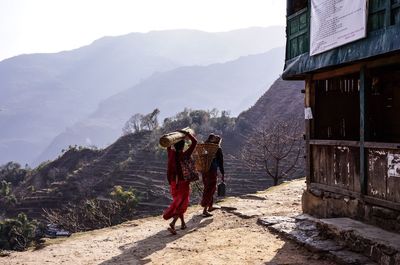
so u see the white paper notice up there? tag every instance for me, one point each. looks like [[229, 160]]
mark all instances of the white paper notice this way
[[308, 114], [393, 165], [336, 22]]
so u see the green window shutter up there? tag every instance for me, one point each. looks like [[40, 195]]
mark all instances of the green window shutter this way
[[297, 33], [303, 22], [294, 51], [395, 14]]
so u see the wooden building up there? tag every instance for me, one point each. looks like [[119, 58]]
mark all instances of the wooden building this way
[[352, 99]]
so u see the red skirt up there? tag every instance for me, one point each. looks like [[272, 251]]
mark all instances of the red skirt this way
[[210, 185], [180, 199]]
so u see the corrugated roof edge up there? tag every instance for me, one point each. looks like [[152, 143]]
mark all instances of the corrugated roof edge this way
[[377, 43]]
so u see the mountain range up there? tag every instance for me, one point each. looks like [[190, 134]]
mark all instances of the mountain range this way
[[232, 86], [47, 99]]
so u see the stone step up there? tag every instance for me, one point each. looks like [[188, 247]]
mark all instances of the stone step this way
[[376, 243], [316, 235]]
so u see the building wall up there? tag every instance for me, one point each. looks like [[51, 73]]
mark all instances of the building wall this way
[[353, 166], [325, 204]]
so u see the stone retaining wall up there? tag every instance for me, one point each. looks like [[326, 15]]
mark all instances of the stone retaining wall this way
[[324, 204]]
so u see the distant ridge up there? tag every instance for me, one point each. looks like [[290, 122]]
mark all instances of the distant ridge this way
[[232, 86], [43, 94]]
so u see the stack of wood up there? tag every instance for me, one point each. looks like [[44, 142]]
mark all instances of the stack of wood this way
[[172, 138], [203, 156]]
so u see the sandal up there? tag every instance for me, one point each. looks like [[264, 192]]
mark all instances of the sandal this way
[[172, 230], [183, 227], [212, 209], [207, 214]]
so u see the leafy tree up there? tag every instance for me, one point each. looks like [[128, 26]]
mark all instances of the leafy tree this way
[[127, 199], [18, 233], [203, 122], [5, 188], [199, 117], [223, 123], [6, 194], [13, 172]]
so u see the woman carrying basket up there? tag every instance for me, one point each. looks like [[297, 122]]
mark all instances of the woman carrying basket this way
[[179, 187], [210, 177]]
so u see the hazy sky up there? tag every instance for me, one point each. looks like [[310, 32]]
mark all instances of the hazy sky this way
[[28, 26]]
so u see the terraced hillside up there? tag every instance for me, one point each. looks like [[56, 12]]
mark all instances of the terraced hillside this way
[[127, 163]]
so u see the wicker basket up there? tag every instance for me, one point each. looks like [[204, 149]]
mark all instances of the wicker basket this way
[[203, 155]]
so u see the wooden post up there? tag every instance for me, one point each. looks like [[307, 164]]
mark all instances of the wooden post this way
[[308, 102], [363, 179]]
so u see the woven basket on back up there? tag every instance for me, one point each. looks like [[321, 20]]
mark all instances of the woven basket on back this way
[[203, 155]]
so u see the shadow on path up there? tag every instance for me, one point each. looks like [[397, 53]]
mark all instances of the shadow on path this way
[[137, 252], [293, 254]]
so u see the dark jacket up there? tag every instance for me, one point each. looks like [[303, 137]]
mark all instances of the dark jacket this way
[[218, 162]]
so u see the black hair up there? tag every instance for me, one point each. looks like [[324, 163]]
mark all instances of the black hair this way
[[179, 145], [216, 138], [178, 148]]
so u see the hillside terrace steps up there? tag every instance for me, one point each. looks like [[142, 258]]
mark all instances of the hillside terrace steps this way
[[138, 180], [133, 176], [344, 240], [33, 206], [255, 180], [128, 165], [137, 169]]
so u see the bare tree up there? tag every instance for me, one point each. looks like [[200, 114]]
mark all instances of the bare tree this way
[[150, 121], [276, 149], [133, 124], [139, 122]]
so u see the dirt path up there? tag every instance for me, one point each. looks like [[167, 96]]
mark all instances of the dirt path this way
[[229, 237]]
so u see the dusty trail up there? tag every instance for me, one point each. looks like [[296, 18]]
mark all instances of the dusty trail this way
[[229, 237]]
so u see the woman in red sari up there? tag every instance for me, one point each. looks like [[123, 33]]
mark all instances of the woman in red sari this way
[[179, 187], [210, 177]]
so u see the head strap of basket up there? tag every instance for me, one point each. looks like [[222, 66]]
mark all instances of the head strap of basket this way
[[205, 153], [214, 139]]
